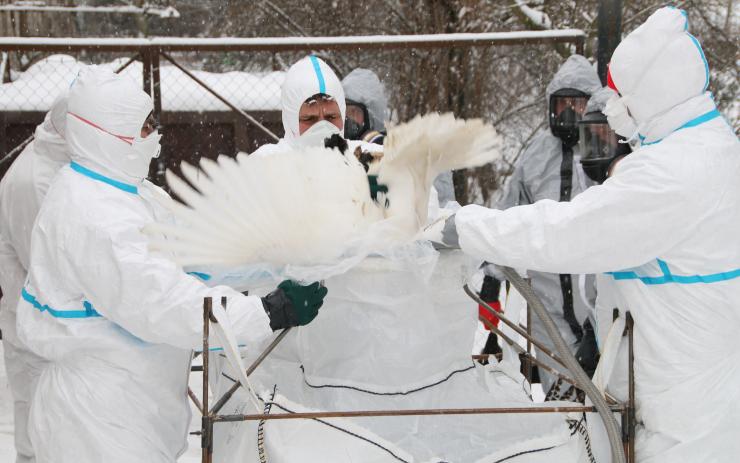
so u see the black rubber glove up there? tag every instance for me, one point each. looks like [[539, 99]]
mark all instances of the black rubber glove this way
[[376, 187], [588, 352], [336, 141], [293, 305]]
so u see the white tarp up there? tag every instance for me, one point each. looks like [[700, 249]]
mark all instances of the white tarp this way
[[392, 337]]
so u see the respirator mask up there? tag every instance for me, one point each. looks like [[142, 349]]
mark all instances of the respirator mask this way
[[316, 134], [357, 120], [566, 107], [599, 145]]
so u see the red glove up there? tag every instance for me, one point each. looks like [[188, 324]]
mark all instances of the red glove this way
[[485, 313]]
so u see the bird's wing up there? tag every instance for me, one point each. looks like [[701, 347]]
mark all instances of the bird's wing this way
[[419, 150], [292, 207]]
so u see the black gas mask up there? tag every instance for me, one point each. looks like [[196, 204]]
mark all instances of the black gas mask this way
[[600, 146], [356, 120], [566, 107]]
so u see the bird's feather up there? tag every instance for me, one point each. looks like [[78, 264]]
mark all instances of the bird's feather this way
[[310, 206]]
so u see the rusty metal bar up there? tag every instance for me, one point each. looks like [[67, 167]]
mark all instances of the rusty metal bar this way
[[156, 87], [195, 400], [221, 98], [580, 43], [281, 44], [147, 69], [529, 368], [206, 439], [16, 151], [631, 416], [410, 412], [512, 325], [127, 63], [234, 387], [527, 356]]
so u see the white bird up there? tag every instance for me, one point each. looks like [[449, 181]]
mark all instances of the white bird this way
[[313, 205]]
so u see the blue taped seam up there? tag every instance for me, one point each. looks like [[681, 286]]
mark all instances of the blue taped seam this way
[[704, 58], [706, 117], [128, 188], [669, 277], [201, 275], [89, 311], [319, 74]]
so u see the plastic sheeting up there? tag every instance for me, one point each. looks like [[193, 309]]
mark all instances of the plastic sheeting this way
[[393, 334]]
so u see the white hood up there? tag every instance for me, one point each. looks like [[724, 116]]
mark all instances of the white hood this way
[[104, 116], [659, 67], [364, 86], [576, 73], [305, 78], [49, 135]]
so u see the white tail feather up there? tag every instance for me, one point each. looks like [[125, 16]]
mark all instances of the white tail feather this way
[[418, 151], [309, 206]]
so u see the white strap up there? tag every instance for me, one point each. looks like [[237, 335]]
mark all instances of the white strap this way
[[609, 354]]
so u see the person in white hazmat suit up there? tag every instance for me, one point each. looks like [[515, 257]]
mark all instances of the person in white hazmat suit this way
[[664, 229], [367, 111], [21, 191], [549, 169], [396, 332], [367, 106], [313, 106], [116, 322], [314, 110]]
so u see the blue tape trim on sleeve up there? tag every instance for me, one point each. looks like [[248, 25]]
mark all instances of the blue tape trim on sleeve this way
[[201, 275], [102, 178], [669, 277], [319, 74], [89, 311]]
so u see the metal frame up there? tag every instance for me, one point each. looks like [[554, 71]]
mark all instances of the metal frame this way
[[210, 416]]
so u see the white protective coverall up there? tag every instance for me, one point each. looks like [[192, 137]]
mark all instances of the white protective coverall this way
[[116, 322], [21, 191], [546, 171], [665, 227]]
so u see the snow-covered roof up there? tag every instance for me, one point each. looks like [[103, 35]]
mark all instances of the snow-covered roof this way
[[36, 89]]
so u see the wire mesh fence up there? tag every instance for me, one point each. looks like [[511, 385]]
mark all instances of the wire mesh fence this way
[[219, 97]]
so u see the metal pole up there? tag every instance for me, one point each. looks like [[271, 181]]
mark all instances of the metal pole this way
[[631, 399], [609, 33], [156, 87], [225, 398], [411, 412], [195, 400], [206, 439], [146, 56], [580, 45], [512, 325], [221, 98], [528, 365], [527, 357]]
